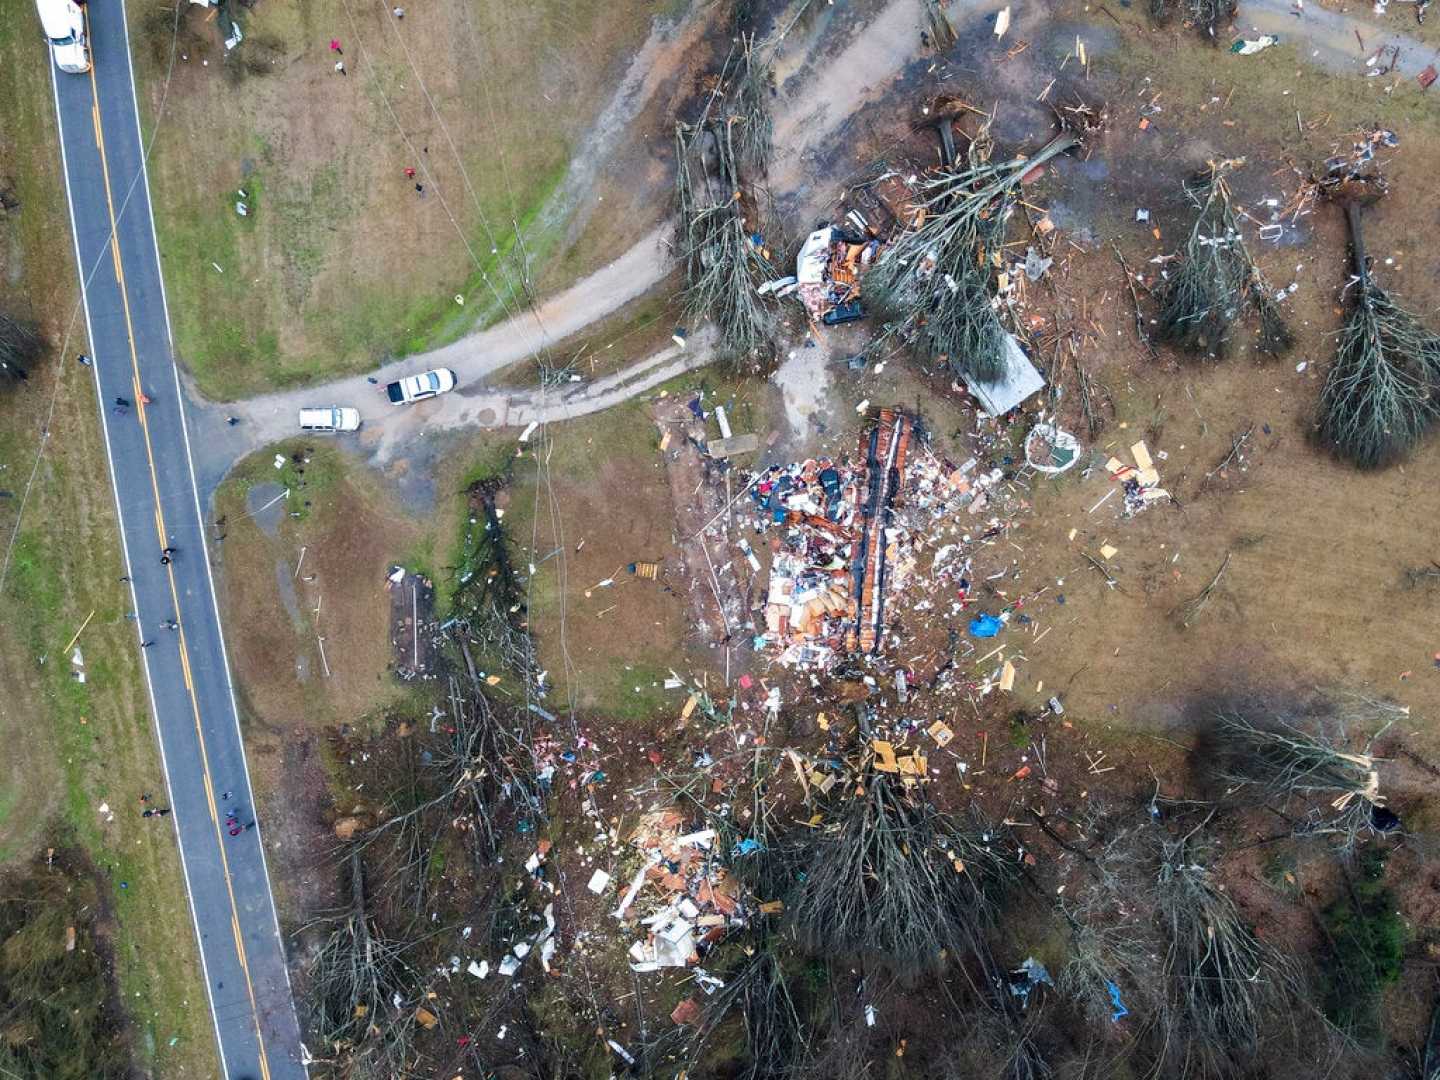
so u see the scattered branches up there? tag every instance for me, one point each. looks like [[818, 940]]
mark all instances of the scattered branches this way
[[935, 278], [896, 882], [941, 31], [1380, 394], [1216, 282], [1130, 279], [1235, 456], [1414, 577], [1190, 610]]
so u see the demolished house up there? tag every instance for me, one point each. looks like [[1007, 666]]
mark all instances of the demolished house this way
[[827, 576], [840, 546]]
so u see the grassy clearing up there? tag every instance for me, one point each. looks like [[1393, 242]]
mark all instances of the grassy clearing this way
[[340, 263], [70, 745]]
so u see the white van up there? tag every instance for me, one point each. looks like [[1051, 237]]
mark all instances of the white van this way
[[64, 24], [333, 418]]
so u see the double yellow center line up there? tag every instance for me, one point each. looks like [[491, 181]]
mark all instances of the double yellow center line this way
[[162, 535]]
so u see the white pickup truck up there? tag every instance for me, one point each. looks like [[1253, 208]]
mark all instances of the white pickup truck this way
[[419, 387], [64, 25]]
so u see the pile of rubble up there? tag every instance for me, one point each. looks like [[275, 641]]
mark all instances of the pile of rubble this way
[[1140, 482], [699, 900], [828, 269]]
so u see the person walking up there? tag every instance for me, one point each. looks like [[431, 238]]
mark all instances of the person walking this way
[[340, 66], [147, 644], [170, 624], [83, 360], [335, 47]]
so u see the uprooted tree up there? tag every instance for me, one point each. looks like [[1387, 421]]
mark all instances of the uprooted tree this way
[[363, 992], [1204, 16], [1288, 759], [896, 882], [718, 160], [1383, 391], [21, 346], [936, 279], [1223, 986], [1215, 282], [772, 1014], [490, 600], [475, 776]]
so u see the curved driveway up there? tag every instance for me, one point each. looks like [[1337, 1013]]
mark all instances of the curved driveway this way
[[186, 668]]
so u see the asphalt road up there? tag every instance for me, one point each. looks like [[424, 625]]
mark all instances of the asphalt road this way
[[150, 466]]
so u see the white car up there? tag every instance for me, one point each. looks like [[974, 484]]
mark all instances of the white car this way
[[330, 418], [64, 25], [419, 387]]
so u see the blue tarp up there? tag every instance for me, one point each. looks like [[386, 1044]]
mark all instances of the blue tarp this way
[[1119, 1011], [983, 626]]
